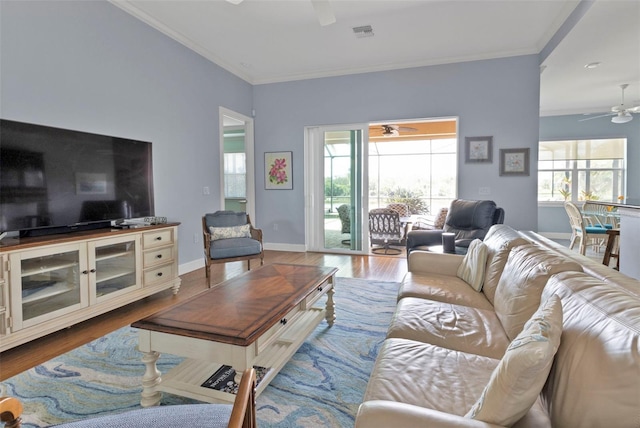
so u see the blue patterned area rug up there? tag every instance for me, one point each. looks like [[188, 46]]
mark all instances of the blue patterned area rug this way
[[322, 385]]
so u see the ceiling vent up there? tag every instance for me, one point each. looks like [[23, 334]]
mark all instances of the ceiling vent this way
[[363, 31]]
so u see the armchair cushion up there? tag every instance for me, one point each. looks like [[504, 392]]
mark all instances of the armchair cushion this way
[[237, 247], [185, 415], [243, 231]]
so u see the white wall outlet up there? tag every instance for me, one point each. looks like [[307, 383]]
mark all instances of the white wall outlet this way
[[205, 190], [484, 191]]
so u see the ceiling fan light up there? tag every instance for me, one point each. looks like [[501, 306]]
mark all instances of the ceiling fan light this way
[[622, 118]]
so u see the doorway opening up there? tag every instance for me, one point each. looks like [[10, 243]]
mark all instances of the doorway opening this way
[[411, 164], [237, 162]]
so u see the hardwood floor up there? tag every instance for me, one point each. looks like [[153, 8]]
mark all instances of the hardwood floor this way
[[24, 357]]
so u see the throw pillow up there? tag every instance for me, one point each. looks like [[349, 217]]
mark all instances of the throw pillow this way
[[243, 231], [472, 268], [516, 382]]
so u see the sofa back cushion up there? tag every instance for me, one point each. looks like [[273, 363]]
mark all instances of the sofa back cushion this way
[[525, 274], [499, 241], [473, 265], [595, 379]]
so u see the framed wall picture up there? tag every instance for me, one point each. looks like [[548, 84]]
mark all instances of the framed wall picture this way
[[514, 161], [478, 149], [277, 171]]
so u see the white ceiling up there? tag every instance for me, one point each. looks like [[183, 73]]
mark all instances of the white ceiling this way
[[266, 41]]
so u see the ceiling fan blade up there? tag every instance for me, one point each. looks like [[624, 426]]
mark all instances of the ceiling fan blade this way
[[635, 109], [236, 2], [407, 129], [596, 117], [324, 11]]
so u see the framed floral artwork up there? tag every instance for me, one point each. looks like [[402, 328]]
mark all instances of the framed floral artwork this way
[[277, 168], [478, 149], [514, 161]]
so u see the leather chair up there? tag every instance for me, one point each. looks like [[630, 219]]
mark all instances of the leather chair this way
[[241, 415], [469, 220], [230, 248]]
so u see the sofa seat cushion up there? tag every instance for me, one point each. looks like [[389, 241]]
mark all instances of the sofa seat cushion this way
[[428, 376], [462, 328], [442, 288], [525, 274], [237, 247]]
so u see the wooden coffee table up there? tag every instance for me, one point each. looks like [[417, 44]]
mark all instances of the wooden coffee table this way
[[259, 319]]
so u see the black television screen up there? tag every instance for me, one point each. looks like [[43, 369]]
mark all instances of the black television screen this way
[[58, 177]]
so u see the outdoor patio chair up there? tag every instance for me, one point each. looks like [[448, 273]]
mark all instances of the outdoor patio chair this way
[[385, 229]]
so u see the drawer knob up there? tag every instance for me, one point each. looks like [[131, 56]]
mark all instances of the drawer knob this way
[[283, 321], [159, 238], [85, 272], [159, 274], [92, 271], [159, 256], [320, 288]]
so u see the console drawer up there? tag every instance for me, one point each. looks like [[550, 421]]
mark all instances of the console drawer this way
[[156, 257], [162, 273], [274, 332], [157, 238]]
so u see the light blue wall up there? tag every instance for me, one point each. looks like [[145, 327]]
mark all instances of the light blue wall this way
[[493, 97], [553, 219], [87, 65]]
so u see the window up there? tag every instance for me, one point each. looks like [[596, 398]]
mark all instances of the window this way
[[580, 170], [421, 173], [235, 175]]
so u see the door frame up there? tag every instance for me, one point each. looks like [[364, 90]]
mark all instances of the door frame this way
[[314, 187], [250, 158]]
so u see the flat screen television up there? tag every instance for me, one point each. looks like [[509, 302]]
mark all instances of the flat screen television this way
[[52, 178]]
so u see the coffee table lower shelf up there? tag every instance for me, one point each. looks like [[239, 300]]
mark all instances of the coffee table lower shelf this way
[[186, 378]]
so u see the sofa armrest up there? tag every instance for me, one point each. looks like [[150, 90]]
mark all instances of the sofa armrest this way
[[428, 262], [418, 238], [379, 413]]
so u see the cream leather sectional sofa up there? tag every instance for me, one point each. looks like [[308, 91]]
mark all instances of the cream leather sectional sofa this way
[[447, 342]]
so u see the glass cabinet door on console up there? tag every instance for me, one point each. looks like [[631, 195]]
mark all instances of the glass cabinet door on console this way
[[114, 262], [46, 283]]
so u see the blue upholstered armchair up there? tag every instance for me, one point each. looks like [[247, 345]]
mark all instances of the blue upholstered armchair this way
[[229, 237], [242, 414]]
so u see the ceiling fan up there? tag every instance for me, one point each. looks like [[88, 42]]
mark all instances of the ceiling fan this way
[[620, 113], [323, 10], [394, 130]]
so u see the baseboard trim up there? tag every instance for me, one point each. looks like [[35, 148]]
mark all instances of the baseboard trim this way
[[286, 247], [555, 235]]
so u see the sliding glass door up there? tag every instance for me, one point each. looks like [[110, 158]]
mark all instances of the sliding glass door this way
[[337, 179]]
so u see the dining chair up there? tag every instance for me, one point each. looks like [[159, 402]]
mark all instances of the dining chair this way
[[580, 230], [598, 215]]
